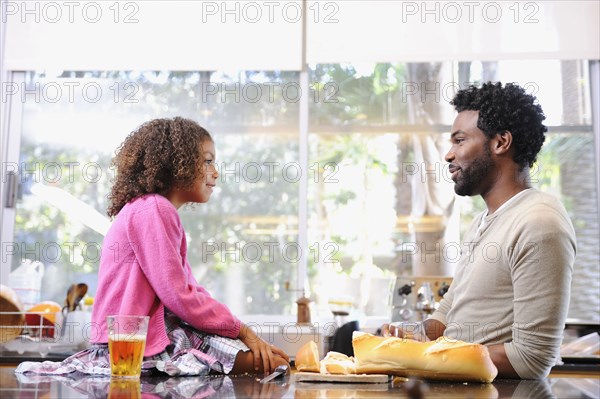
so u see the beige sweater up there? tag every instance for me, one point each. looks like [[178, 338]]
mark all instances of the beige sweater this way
[[513, 282]]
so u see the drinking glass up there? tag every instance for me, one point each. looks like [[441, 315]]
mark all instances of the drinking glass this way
[[126, 344]]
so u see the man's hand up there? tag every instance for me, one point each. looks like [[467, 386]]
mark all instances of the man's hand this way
[[409, 330], [428, 330]]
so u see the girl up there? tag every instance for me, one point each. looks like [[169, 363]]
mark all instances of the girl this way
[[144, 270]]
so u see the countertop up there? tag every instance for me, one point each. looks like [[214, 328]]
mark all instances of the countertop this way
[[20, 386]]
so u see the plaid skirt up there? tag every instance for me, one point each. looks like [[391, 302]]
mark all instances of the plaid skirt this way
[[190, 352]]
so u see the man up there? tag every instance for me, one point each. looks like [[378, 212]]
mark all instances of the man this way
[[511, 287]]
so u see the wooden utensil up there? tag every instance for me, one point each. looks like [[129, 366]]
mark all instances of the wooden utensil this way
[[75, 294]]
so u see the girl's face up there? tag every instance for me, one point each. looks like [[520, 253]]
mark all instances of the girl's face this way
[[206, 181]]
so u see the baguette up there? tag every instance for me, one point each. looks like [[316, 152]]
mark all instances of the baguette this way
[[307, 358], [337, 363], [443, 359]]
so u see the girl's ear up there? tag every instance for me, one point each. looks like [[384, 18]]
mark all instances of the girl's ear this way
[[502, 142]]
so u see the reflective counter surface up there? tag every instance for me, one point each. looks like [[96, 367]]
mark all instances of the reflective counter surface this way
[[20, 386]]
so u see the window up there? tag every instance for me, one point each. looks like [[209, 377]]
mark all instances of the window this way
[[241, 244], [378, 198], [385, 197]]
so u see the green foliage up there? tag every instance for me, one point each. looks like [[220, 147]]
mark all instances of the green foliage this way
[[362, 99]]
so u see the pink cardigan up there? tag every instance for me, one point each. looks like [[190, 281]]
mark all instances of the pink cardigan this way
[[144, 269]]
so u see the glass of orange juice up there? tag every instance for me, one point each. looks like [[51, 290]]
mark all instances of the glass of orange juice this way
[[126, 344]]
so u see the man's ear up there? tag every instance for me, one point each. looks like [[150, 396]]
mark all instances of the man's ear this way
[[502, 142]]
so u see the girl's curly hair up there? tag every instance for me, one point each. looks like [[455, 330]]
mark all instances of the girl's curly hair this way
[[156, 156], [507, 108]]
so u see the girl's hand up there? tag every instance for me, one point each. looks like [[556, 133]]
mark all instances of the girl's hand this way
[[261, 350]]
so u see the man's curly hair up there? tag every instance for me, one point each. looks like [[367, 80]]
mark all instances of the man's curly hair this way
[[507, 108], [155, 157]]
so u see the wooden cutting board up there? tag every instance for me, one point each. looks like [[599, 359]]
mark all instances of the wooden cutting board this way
[[343, 378]]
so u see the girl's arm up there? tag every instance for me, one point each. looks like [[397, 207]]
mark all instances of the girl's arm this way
[[158, 241]]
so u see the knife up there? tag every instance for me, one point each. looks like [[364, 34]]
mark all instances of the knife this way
[[279, 371]]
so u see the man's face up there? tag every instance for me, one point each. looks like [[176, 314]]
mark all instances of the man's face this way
[[471, 162]]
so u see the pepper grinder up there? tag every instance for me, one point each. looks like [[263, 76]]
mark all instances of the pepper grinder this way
[[302, 305], [303, 310]]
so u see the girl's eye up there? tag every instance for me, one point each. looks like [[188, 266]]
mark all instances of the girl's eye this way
[[209, 161]]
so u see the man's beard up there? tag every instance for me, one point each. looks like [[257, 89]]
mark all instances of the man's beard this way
[[473, 173]]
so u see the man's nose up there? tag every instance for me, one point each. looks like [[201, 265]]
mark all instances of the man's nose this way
[[449, 157]]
